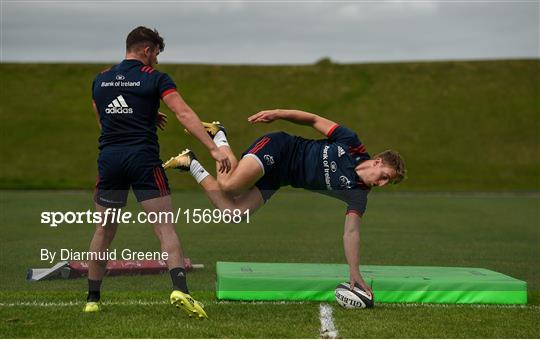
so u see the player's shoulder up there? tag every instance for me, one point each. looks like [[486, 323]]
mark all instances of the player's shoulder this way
[[105, 72], [348, 142], [340, 133], [344, 130], [152, 72], [156, 77], [108, 69], [361, 189], [356, 196], [148, 69]]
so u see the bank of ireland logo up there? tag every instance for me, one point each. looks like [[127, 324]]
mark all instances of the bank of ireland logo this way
[[340, 151], [345, 182], [333, 166], [120, 77], [268, 159]]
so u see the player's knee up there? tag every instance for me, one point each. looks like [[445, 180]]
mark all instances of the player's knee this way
[[227, 186], [165, 232], [106, 232]]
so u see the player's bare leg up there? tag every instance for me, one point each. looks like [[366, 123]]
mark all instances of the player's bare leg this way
[[101, 241], [237, 181], [165, 230], [103, 237], [250, 200], [217, 131], [242, 179], [222, 177], [170, 244], [242, 196]]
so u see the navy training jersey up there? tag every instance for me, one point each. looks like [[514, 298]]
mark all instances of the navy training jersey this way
[[127, 98], [328, 166]]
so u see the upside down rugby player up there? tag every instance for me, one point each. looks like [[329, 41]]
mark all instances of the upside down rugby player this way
[[126, 101], [338, 166]]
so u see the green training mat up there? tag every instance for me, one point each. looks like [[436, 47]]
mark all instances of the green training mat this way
[[390, 284]]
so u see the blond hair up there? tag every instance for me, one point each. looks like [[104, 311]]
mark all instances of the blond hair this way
[[394, 160]]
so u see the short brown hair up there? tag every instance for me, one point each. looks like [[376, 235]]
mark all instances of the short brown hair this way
[[394, 160], [144, 36]]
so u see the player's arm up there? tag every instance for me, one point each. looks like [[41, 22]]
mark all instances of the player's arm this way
[[319, 123], [189, 119], [351, 245], [97, 114]]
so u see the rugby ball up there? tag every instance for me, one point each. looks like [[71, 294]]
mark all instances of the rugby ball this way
[[356, 298]]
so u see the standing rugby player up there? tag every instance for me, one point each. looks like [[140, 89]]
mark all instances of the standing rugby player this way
[[338, 166], [126, 100]]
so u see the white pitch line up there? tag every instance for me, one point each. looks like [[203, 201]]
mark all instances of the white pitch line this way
[[328, 329], [227, 302], [141, 303], [80, 303]]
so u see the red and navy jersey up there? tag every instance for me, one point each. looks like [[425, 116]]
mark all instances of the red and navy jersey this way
[[328, 166], [127, 97]]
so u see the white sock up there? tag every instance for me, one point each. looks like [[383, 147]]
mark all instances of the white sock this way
[[220, 139], [197, 171]]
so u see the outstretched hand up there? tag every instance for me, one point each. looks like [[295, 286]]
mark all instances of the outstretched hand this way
[[266, 116], [161, 120]]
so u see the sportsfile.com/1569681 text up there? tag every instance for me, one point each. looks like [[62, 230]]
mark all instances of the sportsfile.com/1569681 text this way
[[117, 215]]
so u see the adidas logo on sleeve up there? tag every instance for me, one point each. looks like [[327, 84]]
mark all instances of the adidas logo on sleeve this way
[[118, 105]]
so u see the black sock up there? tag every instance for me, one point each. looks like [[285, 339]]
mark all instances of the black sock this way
[[178, 277], [94, 287]]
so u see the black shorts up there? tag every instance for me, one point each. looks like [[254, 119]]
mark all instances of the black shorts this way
[[272, 153], [136, 167]]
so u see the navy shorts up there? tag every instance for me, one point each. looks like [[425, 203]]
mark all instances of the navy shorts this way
[[121, 168], [272, 153]]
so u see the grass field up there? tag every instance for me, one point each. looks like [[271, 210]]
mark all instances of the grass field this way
[[500, 232], [469, 129], [460, 125]]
